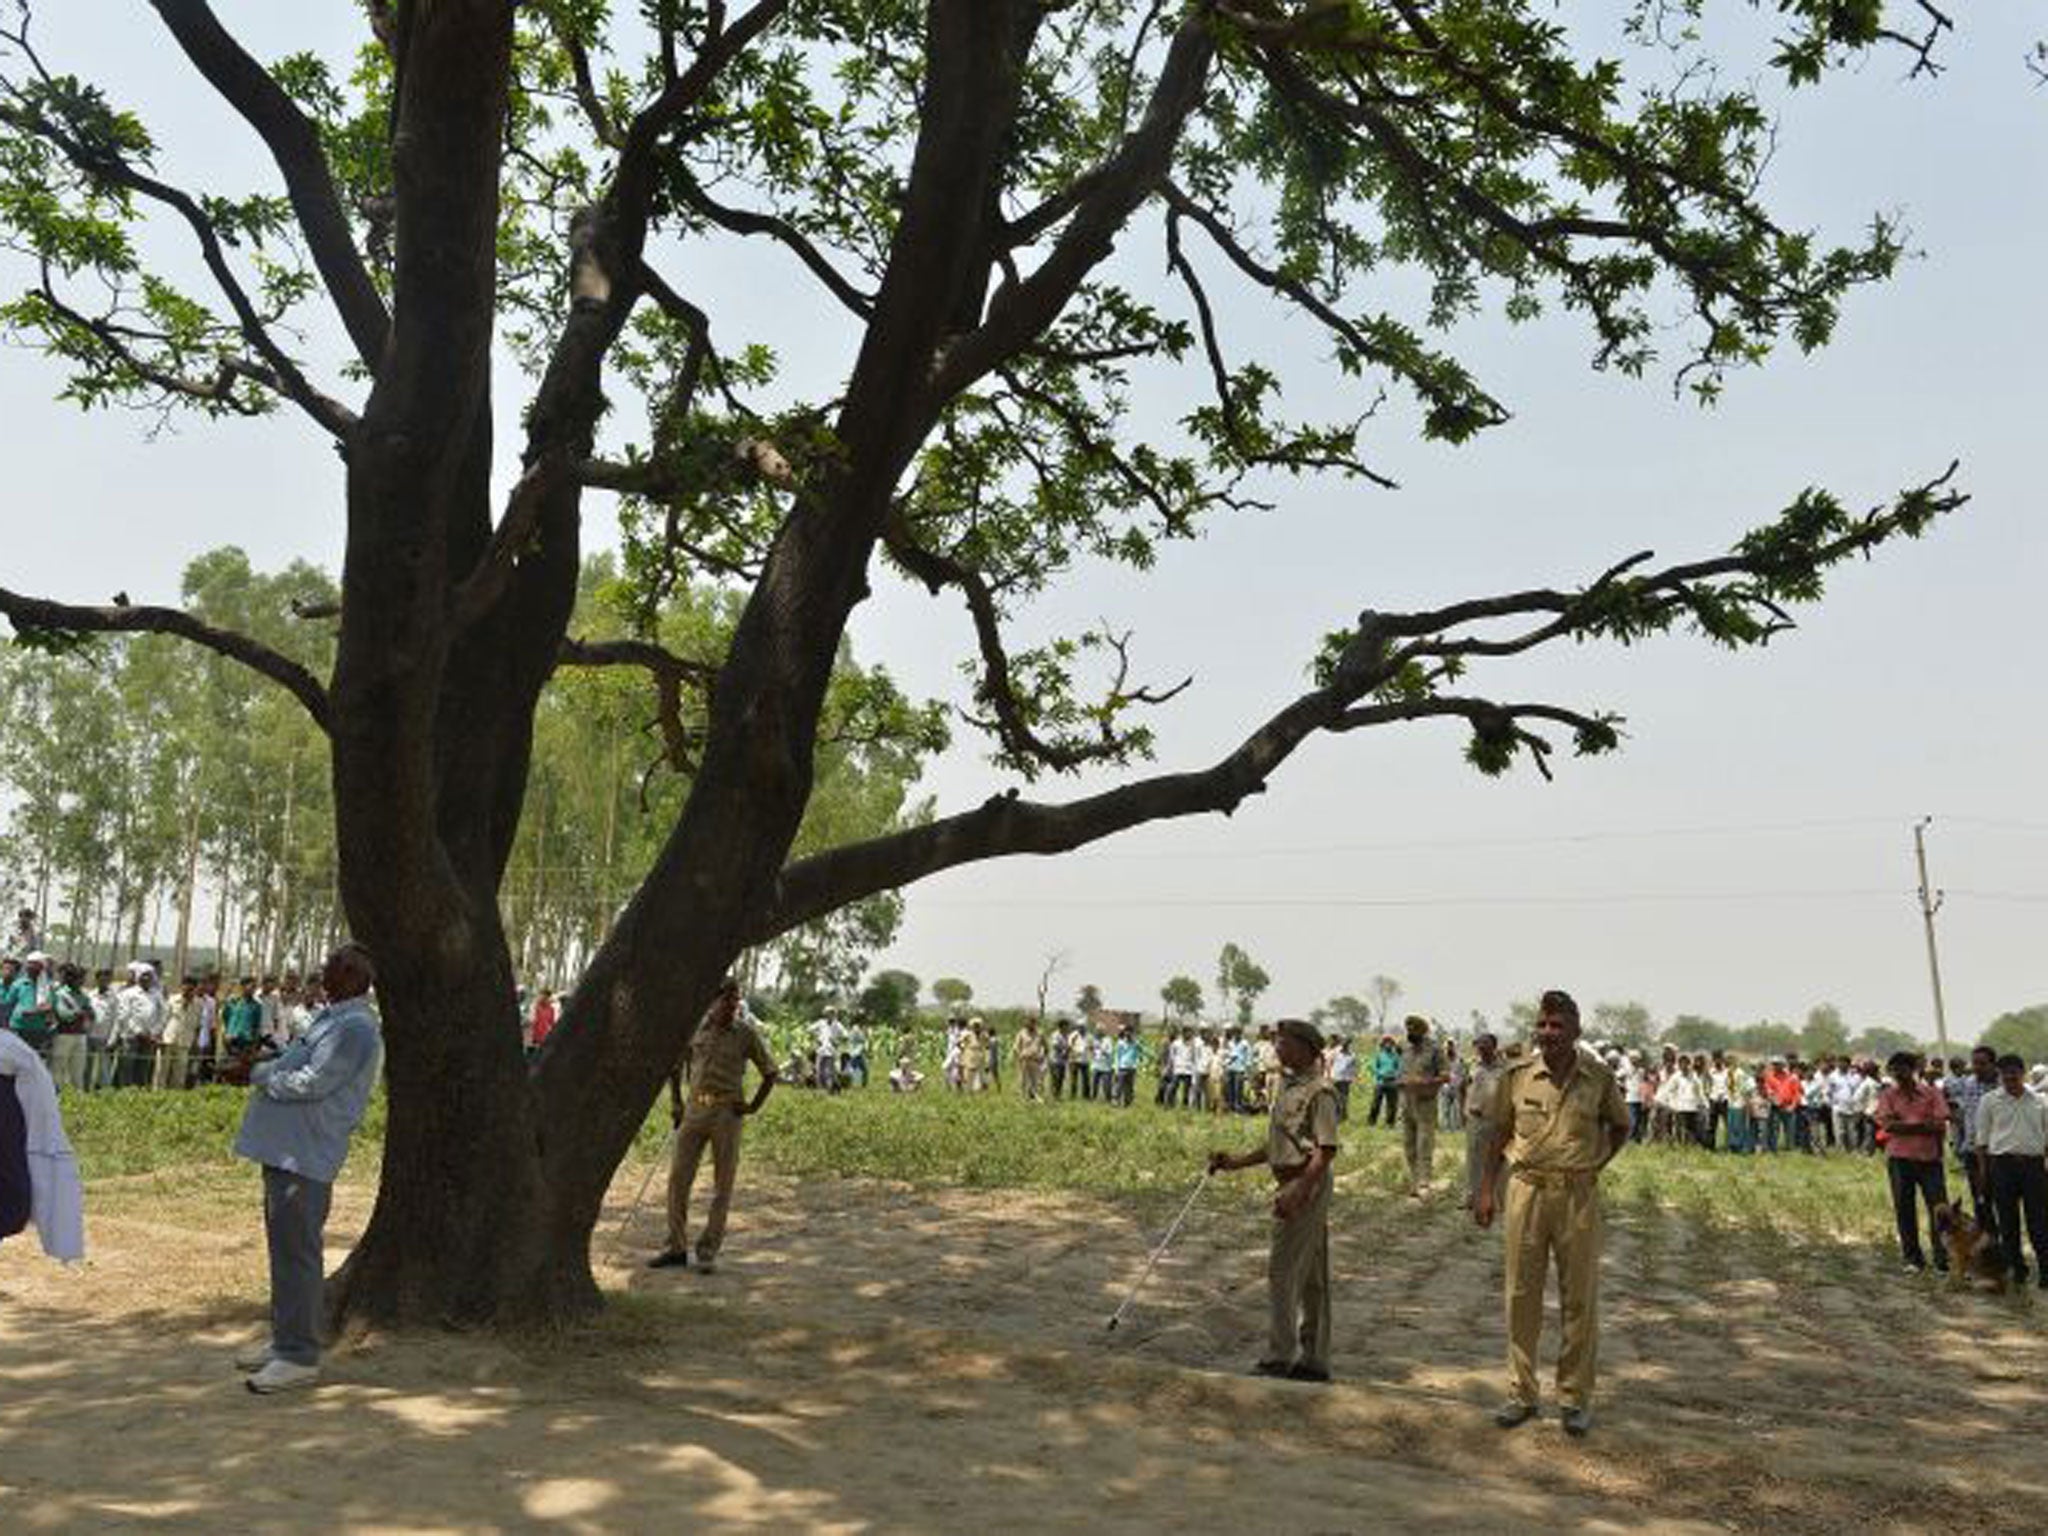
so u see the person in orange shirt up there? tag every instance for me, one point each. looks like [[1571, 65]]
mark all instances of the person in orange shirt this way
[[1786, 1093]]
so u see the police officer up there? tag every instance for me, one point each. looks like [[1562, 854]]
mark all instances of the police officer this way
[[1558, 1118], [1301, 1141], [725, 1041]]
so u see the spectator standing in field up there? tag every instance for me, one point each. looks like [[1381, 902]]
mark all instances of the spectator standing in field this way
[[181, 1029], [1102, 1064], [950, 1063], [1237, 1061], [825, 1051], [303, 1107], [1631, 1075], [2010, 1139], [1481, 1081], [1212, 1070], [1679, 1097], [726, 1039], [1029, 1049], [1914, 1118], [242, 1029], [995, 1058], [1184, 1068], [1965, 1091], [69, 1053], [1450, 1099], [1842, 1103], [101, 1048], [1343, 1073], [1735, 1088], [1128, 1058], [853, 1052], [1059, 1053], [1713, 1073], [140, 1030], [1422, 1074], [1386, 1082], [32, 1003], [206, 1040], [1869, 1084]]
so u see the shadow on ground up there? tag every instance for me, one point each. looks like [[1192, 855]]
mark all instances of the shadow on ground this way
[[876, 1358]]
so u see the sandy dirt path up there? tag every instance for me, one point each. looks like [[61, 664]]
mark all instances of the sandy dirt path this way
[[879, 1358]]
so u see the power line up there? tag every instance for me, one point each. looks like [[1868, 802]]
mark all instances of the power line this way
[[1477, 899], [1548, 839]]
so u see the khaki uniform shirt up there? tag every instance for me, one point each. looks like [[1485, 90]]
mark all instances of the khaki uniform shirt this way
[[1418, 1062], [1558, 1130], [718, 1061], [1304, 1117], [1028, 1047]]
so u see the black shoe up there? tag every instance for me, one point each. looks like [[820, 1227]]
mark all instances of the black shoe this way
[[1281, 1368], [1514, 1412], [1303, 1371], [670, 1258], [1577, 1421]]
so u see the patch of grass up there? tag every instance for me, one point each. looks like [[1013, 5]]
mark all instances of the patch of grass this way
[[133, 1130], [996, 1141]]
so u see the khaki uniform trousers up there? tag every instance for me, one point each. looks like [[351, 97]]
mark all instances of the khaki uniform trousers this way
[[718, 1127], [1418, 1135], [1478, 1132], [1032, 1079], [1553, 1215], [1298, 1282]]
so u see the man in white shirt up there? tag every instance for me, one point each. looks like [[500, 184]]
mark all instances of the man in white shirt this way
[[138, 1028], [1680, 1094], [2010, 1138], [825, 1052]]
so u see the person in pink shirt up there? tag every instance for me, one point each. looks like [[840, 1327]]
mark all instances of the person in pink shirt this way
[[1914, 1118]]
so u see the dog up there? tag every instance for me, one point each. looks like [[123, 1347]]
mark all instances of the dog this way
[[1973, 1256]]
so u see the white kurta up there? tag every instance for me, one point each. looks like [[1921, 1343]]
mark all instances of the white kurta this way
[[56, 1197]]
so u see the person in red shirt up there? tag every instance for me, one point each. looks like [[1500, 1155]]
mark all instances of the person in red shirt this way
[[543, 1018], [1783, 1088], [1914, 1118]]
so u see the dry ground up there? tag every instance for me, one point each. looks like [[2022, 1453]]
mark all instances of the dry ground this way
[[874, 1357]]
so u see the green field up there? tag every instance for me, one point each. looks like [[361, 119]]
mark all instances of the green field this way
[[1146, 1155]]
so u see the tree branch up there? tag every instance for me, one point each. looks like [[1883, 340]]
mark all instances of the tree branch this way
[[1019, 312], [106, 166], [670, 672], [1369, 680], [294, 145], [33, 615], [745, 221]]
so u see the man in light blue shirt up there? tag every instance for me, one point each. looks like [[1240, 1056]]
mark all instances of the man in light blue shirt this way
[[303, 1106]]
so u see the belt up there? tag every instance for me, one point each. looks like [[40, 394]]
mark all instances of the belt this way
[[2016, 1157], [704, 1098], [1556, 1178]]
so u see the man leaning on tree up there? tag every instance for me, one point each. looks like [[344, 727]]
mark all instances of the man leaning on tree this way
[[725, 1041]]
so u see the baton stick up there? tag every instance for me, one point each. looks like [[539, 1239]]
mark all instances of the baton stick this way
[[1164, 1243], [638, 1200]]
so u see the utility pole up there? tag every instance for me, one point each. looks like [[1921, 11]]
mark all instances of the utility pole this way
[[1930, 903]]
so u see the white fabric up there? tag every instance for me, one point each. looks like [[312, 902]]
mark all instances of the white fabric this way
[[139, 1014], [56, 1198]]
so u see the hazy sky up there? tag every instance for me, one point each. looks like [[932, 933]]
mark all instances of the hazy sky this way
[[1748, 854]]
